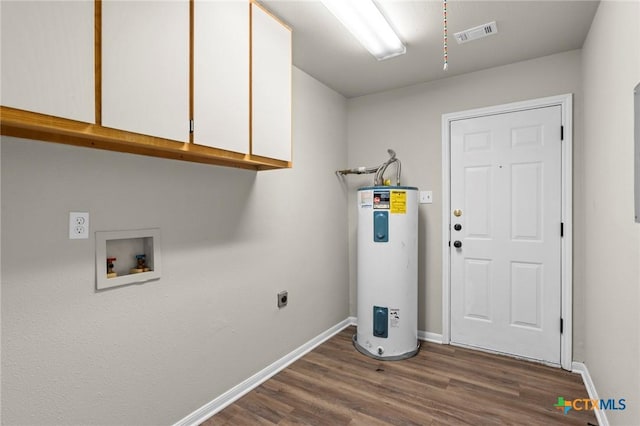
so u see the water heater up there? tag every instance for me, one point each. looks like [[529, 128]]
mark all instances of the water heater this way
[[387, 271]]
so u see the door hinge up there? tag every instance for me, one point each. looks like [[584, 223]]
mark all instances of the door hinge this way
[[561, 325], [561, 229], [561, 133], [191, 125]]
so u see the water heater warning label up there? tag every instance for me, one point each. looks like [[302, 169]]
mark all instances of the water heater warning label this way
[[394, 318], [366, 198], [380, 199], [398, 202]]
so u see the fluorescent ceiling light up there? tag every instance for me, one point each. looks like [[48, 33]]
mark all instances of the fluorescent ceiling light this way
[[367, 24]]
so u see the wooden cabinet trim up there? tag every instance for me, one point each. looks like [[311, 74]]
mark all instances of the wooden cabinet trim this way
[[191, 65], [31, 125], [97, 24], [268, 12]]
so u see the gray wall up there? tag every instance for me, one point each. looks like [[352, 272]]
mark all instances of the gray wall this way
[[231, 239], [612, 239], [409, 121]]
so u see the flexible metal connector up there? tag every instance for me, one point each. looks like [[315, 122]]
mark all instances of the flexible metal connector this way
[[378, 170]]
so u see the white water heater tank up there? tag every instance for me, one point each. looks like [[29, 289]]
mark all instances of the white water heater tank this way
[[387, 272]]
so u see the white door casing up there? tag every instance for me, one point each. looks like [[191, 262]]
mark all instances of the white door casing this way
[[509, 284]]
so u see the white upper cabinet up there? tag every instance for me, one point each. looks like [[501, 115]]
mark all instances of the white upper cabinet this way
[[221, 74], [48, 58], [271, 86], [145, 67]]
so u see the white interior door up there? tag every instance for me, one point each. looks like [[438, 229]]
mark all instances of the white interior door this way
[[506, 194]]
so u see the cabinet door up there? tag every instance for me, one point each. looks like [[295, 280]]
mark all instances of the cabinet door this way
[[48, 58], [271, 86], [221, 74], [145, 67]]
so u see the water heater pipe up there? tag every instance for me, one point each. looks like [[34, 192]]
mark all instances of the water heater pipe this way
[[378, 170]]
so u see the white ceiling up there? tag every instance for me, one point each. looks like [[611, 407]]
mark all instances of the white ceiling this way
[[323, 48]]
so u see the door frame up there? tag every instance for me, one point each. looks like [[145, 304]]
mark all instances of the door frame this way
[[566, 277]]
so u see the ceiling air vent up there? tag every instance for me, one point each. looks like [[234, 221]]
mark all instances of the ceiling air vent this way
[[476, 32]]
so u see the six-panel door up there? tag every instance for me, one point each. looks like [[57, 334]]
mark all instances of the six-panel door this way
[[506, 197]]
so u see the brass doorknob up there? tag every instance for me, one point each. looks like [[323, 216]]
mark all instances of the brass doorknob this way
[[457, 212]]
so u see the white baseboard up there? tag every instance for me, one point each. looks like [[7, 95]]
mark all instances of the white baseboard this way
[[428, 336], [580, 368], [238, 391]]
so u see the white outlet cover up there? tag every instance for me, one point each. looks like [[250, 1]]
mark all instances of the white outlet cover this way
[[78, 225], [426, 197]]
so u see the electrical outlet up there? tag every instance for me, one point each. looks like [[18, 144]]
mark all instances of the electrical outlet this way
[[78, 225], [283, 299], [426, 197]]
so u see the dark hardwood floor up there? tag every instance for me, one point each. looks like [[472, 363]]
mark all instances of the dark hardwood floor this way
[[442, 385]]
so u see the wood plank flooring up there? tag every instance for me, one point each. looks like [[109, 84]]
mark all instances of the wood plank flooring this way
[[442, 385]]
